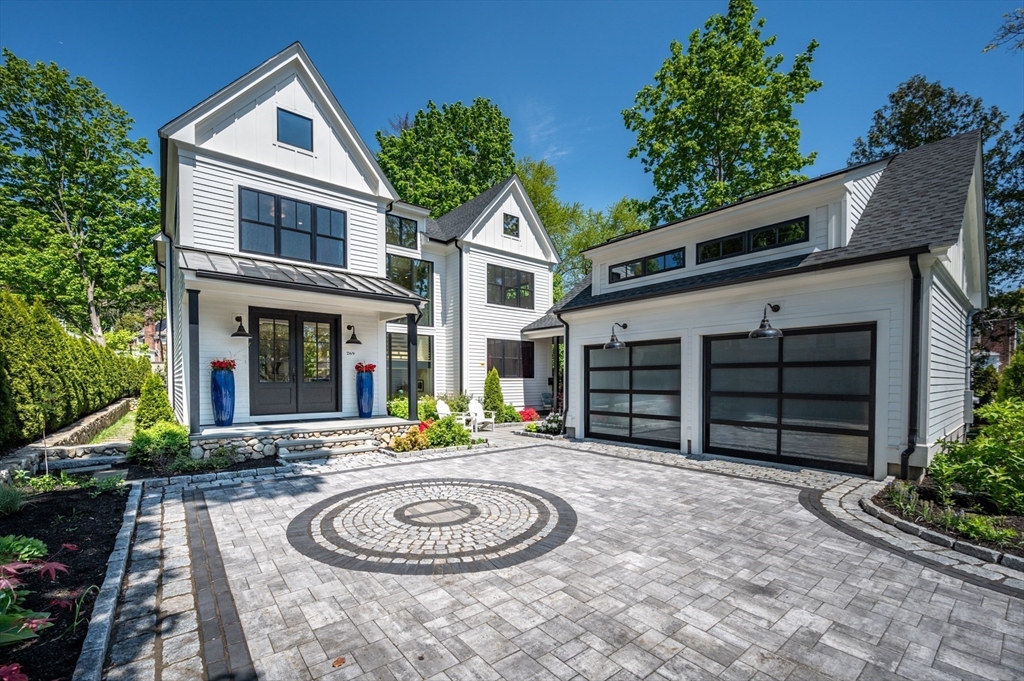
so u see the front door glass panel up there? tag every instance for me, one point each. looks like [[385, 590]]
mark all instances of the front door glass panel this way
[[316, 351], [274, 350]]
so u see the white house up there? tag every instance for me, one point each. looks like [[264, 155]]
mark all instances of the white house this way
[[876, 271], [284, 247]]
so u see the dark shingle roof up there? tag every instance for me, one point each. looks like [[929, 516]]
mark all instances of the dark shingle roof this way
[[917, 204], [549, 320], [454, 223]]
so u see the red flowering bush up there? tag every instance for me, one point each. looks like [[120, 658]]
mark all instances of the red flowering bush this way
[[426, 424], [228, 364], [529, 414], [365, 368]]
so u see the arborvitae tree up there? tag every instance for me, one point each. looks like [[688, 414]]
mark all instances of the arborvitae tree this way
[[494, 400], [154, 406]]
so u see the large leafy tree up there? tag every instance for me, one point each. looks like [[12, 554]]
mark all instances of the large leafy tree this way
[[77, 208], [448, 155], [718, 123]]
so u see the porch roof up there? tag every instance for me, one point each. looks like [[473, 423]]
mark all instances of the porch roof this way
[[262, 272]]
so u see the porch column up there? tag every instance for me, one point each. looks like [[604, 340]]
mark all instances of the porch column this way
[[193, 361], [410, 323], [554, 393]]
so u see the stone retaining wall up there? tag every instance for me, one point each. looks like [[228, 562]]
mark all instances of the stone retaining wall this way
[[269, 445]]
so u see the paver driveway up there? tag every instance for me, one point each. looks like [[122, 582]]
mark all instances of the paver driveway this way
[[666, 574]]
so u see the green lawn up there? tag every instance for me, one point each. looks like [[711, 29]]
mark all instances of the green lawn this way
[[121, 431]]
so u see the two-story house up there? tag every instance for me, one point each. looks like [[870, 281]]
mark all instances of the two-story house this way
[[867, 279], [285, 247]]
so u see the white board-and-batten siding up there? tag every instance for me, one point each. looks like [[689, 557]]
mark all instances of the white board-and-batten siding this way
[[490, 231]]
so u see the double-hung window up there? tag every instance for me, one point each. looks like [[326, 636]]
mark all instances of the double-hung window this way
[[512, 358], [416, 276], [297, 230], [509, 287], [400, 231]]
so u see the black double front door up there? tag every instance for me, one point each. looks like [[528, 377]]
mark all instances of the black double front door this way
[[293, 360]]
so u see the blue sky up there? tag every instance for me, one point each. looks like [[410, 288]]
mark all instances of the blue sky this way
[[562, 72]]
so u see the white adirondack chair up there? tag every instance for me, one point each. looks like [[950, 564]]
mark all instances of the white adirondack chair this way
[[480, 417], [462, 417]]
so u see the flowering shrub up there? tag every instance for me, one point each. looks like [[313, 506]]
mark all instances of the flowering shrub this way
[[529, 414], [365, 368], [228, 364], [426, 424]]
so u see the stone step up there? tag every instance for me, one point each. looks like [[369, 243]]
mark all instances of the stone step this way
[[326, 453], [75, 465], [322, 441], [82, 470]]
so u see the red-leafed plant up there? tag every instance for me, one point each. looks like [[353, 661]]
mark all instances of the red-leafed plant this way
[[12, 672], [529, 414], [18, 623], [228, 364], [426, 424], [365, 368]]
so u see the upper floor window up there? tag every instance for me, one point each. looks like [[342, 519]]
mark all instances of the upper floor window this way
[[751, 241], [294, 130], [511, 225], [400, 231], [274, 225], [651, 264], [416, 276], [509, 287]]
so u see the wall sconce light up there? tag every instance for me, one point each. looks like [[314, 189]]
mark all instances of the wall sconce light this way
[[353, 340], [766, 330], [241, 332], [614, 343]]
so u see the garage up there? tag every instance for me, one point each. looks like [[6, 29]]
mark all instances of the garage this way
[[807, 398], [633, 392]]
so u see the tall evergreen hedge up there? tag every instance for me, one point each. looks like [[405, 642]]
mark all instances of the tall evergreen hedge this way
[[51, 378]]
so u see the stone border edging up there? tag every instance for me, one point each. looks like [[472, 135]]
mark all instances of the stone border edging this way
[[182, 480], [101, 622], [980, 552], [539, 436]]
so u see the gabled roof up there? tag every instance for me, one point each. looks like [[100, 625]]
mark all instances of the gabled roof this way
[[458, 221], [917, 205], [549, 320], [294, 52]]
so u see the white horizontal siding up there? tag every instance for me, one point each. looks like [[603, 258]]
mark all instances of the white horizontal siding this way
[[947, 370], [177, 340]]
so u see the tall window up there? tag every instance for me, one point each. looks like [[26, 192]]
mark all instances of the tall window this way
[[400, 231], [509, 287], [416, 276], [294, 130], [511, 225], [274, 225], [512, 358], [398, 364]]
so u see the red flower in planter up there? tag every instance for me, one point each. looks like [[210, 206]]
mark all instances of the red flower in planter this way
[[365, 368], [228, 364]]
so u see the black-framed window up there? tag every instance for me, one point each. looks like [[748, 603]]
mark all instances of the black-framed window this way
[[512, 358], [416, 276], [751, 241], [805, 398], [400, 231], [398, 364], [651, 264], [633, 394], [287, 228], [509, 287], [510, 225], [294, 130]]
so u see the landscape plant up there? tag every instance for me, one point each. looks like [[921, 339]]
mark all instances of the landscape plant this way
[[457, 402], [1011, 383], [494, 400], [159, 445], [508, 414], [448, 432], [11, 499], [528, 414], [413, 440], [18, 623], [154, 405]]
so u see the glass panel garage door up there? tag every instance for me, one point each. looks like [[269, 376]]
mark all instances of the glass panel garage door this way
[[807, 398], [633, 393]]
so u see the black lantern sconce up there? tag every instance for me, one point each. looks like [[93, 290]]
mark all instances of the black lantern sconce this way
[[241, 332], [766, 330], [353, 340], [614, 343]]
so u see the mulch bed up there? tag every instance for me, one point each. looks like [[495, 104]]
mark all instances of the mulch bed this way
[[961, 502], [136, 472], [56, 518]]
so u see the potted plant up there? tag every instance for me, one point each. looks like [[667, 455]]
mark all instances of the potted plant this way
[[364, 389], [222, 387]]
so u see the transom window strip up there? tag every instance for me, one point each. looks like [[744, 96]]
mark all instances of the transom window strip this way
[[297, 230], [751, 241], [651, 264]]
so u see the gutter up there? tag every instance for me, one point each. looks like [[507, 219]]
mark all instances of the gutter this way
[[565, 376], [462, 317], [915, 369]]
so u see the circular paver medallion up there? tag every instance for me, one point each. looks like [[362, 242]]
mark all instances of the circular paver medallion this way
[[433, 526]]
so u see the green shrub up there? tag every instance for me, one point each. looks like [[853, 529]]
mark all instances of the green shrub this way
[[448, 432], [398, 407], [11, 499], [139, 452], [508, 414], [183, 463], [21, 549], [456, 401], [1011, 383], [112, 484], [985, 382], [426, 405], [413, 440], [154, 407], [985, 528], [493, 399], [159, 445]]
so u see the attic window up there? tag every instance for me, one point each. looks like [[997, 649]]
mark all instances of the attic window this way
[[294, 130], [511, 226]]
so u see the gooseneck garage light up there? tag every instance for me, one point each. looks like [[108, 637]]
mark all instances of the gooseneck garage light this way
[[614, 343], [766, 330], [241, 332], [353, 340]]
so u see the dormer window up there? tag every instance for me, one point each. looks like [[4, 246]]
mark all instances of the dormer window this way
[[294, 130], [400, 231], [511, 225]]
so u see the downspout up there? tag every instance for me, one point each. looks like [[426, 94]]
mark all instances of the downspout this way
[[462, 318], [915, 368], [565, 376]]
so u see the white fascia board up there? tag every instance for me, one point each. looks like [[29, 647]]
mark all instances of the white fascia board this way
[[409, 210]]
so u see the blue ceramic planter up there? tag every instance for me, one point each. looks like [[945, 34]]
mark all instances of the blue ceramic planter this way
[[222, 385], [364, 393]]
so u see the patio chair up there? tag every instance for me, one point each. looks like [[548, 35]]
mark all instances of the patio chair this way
[[545, 401], [462, 417], [480, 417]]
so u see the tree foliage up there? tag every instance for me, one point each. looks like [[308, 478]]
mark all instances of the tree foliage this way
[[920, 111], [77, 208], [494, 400], [154, 406], [447, 156], [1011, 33], [718, 124]]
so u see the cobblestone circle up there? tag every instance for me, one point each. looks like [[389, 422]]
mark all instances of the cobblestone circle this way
[[430, 526]]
